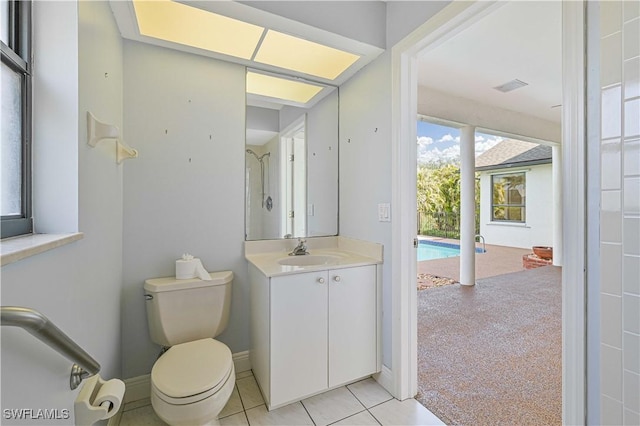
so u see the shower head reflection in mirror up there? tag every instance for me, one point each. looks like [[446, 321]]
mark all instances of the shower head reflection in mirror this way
[[262, 174]]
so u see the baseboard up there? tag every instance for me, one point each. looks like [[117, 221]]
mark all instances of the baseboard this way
[[385, 379], [139, 387], [241, 361]]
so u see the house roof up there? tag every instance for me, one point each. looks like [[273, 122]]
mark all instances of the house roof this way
[[513, 153]]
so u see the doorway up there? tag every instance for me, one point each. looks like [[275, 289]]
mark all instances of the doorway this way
[[453, 19], [293, 146]]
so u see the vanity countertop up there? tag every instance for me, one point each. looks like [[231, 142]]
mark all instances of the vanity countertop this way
[[323, 254]]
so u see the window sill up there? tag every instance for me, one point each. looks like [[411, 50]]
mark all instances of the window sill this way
[[18, 248], [513, 224]]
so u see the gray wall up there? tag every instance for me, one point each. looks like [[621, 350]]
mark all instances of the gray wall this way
[[78, 285], [185, 193], [365, 169]]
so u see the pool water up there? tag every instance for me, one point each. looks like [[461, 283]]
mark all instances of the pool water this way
[[429, 250]]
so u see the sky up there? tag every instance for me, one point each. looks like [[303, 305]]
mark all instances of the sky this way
[[441, 144]]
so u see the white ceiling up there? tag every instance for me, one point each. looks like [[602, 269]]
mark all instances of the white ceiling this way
[[520, 40]]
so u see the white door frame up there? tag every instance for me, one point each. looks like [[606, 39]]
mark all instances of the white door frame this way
[[451, 20]]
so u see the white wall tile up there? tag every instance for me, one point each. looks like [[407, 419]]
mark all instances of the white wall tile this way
[[610, 201], [632, 157], [631, 235], [611, 269], [610, 52], [631, 418], [632, 118], [611, 112], [620, 313], [631, 352], [632, 78], [632, 195], [611, 319], [632, 391], [631, 274], [611, 372], [631, 34], [631, 316], [610, 17], [631, 11], [610, 227], [610, 411], [611, 167]]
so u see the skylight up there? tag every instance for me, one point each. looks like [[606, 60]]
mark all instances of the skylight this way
[[285, 51], [281, 88], [190, 26]]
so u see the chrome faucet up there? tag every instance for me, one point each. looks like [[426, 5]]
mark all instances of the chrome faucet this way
[[300, 249]]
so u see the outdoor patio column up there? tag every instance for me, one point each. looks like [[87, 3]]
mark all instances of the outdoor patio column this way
[[467, 205], [556, 179]]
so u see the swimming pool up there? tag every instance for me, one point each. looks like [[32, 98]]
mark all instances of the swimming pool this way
[[429, 250]]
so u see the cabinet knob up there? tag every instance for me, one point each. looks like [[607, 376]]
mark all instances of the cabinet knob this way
[[321, 280], [337, 278]]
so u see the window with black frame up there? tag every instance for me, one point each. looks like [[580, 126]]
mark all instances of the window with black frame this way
[[15, 203], [508, 197]]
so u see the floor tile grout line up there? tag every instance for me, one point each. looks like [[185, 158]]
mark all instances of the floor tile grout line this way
[[380, 403], [351, 415], [308, 413]]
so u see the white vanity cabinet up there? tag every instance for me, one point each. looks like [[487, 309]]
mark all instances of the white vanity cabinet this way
[[313, 331]]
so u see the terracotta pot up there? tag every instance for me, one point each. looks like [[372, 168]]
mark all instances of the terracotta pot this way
[[543, 252]]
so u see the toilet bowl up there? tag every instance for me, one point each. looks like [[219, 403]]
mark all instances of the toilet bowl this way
[[192, 382]]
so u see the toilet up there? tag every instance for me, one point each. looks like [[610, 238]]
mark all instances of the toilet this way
[[191, 381]]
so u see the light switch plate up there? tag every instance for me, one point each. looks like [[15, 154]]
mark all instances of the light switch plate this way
[[384, 212]]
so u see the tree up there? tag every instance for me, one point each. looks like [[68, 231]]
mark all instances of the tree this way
[[439, 189], [438, 192]]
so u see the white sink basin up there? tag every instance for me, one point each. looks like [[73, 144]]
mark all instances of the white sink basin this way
[[309, 260]]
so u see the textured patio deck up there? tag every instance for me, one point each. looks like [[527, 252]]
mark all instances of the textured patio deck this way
[[490, 354]]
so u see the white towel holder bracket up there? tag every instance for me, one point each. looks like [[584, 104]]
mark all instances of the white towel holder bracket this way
[[98, 131]]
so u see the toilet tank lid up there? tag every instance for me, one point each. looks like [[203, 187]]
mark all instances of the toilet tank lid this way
[[155, 285]]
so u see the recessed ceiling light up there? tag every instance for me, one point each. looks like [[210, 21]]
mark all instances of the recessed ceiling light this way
[[511, 85], [281, 88], [190, 26], [285, 51]]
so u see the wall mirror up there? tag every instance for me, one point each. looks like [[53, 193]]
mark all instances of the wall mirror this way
[[291, 158]]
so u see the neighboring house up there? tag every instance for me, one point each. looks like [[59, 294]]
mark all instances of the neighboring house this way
[[516, 194]]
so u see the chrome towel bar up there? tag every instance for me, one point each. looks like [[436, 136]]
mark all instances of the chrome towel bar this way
[[39, 326]]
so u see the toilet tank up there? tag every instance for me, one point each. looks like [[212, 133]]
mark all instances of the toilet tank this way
[[180, 311]]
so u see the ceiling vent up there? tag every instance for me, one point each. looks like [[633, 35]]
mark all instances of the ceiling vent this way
[[511, 85]]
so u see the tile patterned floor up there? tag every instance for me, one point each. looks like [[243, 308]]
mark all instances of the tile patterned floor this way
[[361, 403]]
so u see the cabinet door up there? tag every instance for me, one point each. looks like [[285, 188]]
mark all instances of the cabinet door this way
[[352, 324], [298, 336]]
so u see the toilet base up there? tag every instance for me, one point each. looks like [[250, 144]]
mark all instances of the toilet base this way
[[204, 412]]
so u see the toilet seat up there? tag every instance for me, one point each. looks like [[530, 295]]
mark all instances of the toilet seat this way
[[192, 371]]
